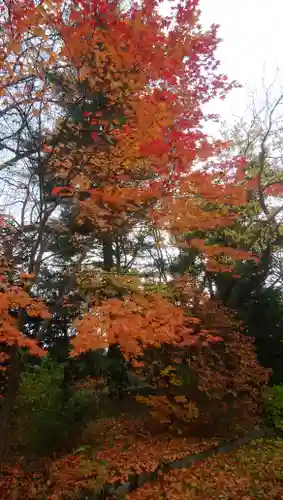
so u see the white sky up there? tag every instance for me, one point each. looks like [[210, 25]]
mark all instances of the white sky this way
[[252, 47]]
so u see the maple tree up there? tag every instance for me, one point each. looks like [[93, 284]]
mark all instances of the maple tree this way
[[16, 305], [135, 134], [150, 168]]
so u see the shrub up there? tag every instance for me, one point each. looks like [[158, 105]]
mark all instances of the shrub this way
[[46, 412]]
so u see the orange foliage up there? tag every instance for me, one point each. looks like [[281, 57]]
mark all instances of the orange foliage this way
[[155, 73], [254, 471], [114, 449], [136, 323], [169, 410], [143, 154], [128, 446], [71, 474], [15, 301], [14, 298], [16, 483], [222, 363], [230, 365], [251, 472]]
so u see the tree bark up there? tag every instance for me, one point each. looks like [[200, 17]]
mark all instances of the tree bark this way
[[107, 248], [9, 400]]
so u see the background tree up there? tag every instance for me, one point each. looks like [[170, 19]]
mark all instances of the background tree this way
[[254, 285]]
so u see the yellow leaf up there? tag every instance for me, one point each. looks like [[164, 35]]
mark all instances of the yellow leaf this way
[[181, 399], [39, 32]]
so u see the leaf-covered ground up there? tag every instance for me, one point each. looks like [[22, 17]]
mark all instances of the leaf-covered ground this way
[[128, 447], [252, 472], [114, 449]]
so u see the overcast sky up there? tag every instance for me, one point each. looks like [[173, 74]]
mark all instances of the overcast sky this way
[[252, 46]]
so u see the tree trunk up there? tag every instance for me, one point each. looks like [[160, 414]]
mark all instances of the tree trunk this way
[[107, 248], [9, 400]]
